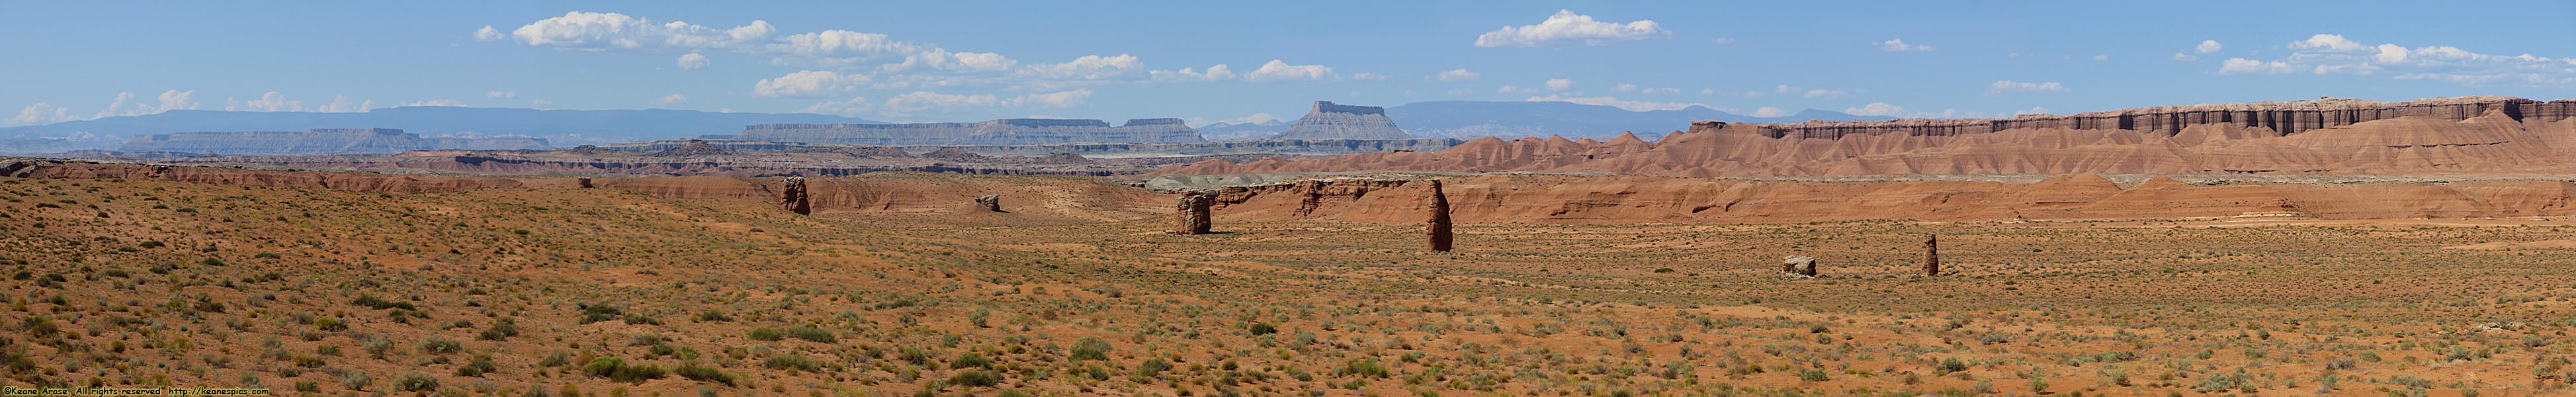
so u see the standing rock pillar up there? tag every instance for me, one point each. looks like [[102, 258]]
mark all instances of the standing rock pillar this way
[[990, 202], [1932, 255], [585, 182], [1193, 215], [1438, 225], [794, 198]]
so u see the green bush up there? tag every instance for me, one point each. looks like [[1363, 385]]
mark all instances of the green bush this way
[[370, 301], [817, 335], [1365, 368], [1090, 348], [437, 345], [481, 364], [703, 374], [1263, 329], [791, 362], [970, 360], [976, 378], [767, 334], [637, 373], [596, 313], [603, 366], [416, 382]]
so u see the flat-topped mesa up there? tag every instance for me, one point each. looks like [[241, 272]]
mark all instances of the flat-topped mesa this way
[[318, 141], [2284, 117], [991, 132], [1335, 121]]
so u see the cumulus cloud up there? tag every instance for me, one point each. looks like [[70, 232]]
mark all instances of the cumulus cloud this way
[[487, 33], [671, 99], [1278, 70], [1623, 87], [1822, 93], [2184, 57], [1630, 105], [918, 102], [693, 61], [808, 83], [2035, 109], [2002, 86], [1567, 28], [41, 113], [2208, 47], [1876, 109], [1214, 73], [1661, 90], [606, 31], [1367, 76], [341, 103], [1722, 41], [2334, 54], [1560, 84], [1060, 99], [1460, 74], [269, 102], [1767, 111], [436, 102], [1898, 45]]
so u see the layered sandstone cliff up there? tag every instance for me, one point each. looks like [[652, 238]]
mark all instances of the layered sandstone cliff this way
[[318, 141], [1335, 121], [994, 132], [2329, 136]]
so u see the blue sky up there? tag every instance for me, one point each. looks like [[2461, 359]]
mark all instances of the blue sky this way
[[966, 60]]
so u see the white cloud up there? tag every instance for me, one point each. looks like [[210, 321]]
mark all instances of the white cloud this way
[[269, 102], [2101, 57], [436, 102], [693, 61], [2032, 110], [1633, 106], [671, 99], [1560, 84], [808, 83], [2184, 57], [2334, 54], [487, 33], [1767, 111], [932, 102], [1214, 73], [2002, 86], [1876, 109], [1823, 93], [1510, 89], [614, 31], [1898, 45], [500, 94], [2249, 66], [1457, 75], [1567, 28], [852, 106], [41, 112], [539, 102], [1722, 41], [1661, 90], [1367, 76], [1784, 89], [1624, 87], [128, 104], [1277, 70], [2208, 47], [924, 100], [1755, 94], [1255, 118], [342, 104], [1708, 91], [1061, 99]]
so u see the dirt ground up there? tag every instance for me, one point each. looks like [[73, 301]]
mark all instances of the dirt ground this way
[[561, 291]]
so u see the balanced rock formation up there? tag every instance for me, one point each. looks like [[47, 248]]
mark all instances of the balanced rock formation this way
[[1798, 266], [1331, 121], [1932, 255], [1438, 226], [994, 132], [990, 203], [317, 141], [794, 199], [2482, 134], [1192, 215]]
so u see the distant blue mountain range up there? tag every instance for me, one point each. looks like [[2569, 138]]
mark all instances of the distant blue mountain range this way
[[562, 127], [1519, 119]]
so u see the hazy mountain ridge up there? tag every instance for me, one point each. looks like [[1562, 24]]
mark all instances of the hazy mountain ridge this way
[[561, 127]]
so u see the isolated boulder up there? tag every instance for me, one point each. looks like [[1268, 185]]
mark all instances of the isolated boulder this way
[[1193, 215], [793, 198], [1438, 226], [1932, 255], [990, 202], [1798, 266], [585, 183]]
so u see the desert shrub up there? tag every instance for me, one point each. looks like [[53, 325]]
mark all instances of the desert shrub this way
[[438, 345], [501, 329], [557, 359], [603, 366], [596, 313], [791, 362], [915, 355], [693, 371], [1812, 375], [1090, 348], [637, 373], [1364, 367], [481, 364], [810, 333], [1263, 329], [970, 360], [372, 302], [356, 380], [415, 382], [711, 315], [767, 334], [1952, 364], [976, 378]]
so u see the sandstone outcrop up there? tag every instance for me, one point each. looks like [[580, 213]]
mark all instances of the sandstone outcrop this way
[[994, 132], [1798, 267], [2332, 136], [317, 141], [694, 148], [794, 197], [1095, 149], [1932, 255], [585, 183], [989, 203], [1437, 227], [1332, 121], [1193, 214]]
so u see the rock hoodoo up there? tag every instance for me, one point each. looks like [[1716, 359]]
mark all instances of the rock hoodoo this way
[[1331, 121], [1932, 255], [793, 198], [585, 182], [1193, 215], [990, 203], [1438, 225], [995, 132], [1798, 266]]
